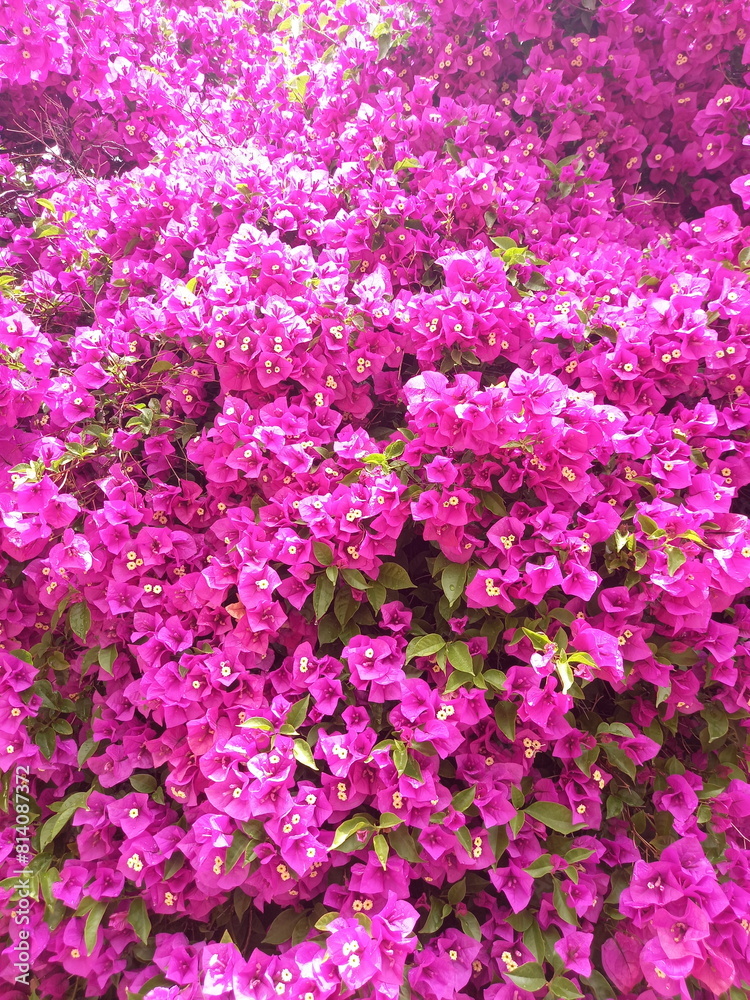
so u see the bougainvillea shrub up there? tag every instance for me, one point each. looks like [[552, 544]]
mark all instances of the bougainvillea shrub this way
[[374, 493]]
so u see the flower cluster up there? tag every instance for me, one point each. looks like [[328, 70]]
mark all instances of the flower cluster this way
[[374, 513]]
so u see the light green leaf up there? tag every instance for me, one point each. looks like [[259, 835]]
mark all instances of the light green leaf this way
[[107, 657], [675, 558], [257, 722], [564, 988], [453, 580], [303, 753], [528, 977], [460, 657], [79, 618], [381, 849], [349, 827], [424, 645], [554, 815], [388, 819]]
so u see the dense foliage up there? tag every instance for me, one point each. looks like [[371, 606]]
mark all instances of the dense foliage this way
[[374, 457]]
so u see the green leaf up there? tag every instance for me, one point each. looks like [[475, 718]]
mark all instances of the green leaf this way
[[298, 712], [281, 928], [63, 813], [649, 526], [424, 645], [322, 596], [381, 849], [388, 820], [404, 845], [326, 919], [505, 717], [323, 553], [453, 580], [400, 756], [145, 783], [456, 680], [138, 919], [538, 639], [384, 46], [297, 87], [460, 657], [457, 892], [619, 759], [236, 849], [377, 596], [435, 917], [578, 854], [257, 722], [554, 815], [561, 905], [107, 657], [743, 258], [464, 839], [540, 867], [303, 753], [46, 740], [716, 720], [394, 577], [79, 618], [349, 827], [528, 977], [410, 163], [93, 920], [470, 925], [564, 988], [344, 606], [675, 558], [463, 799], [355, 579]]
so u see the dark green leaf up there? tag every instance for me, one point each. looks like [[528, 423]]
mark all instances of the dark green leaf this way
[[470, 925], [91, 928], [505, 717], [355, 579], [322, 596], [139, 920], [394, 577], [298, 712]]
